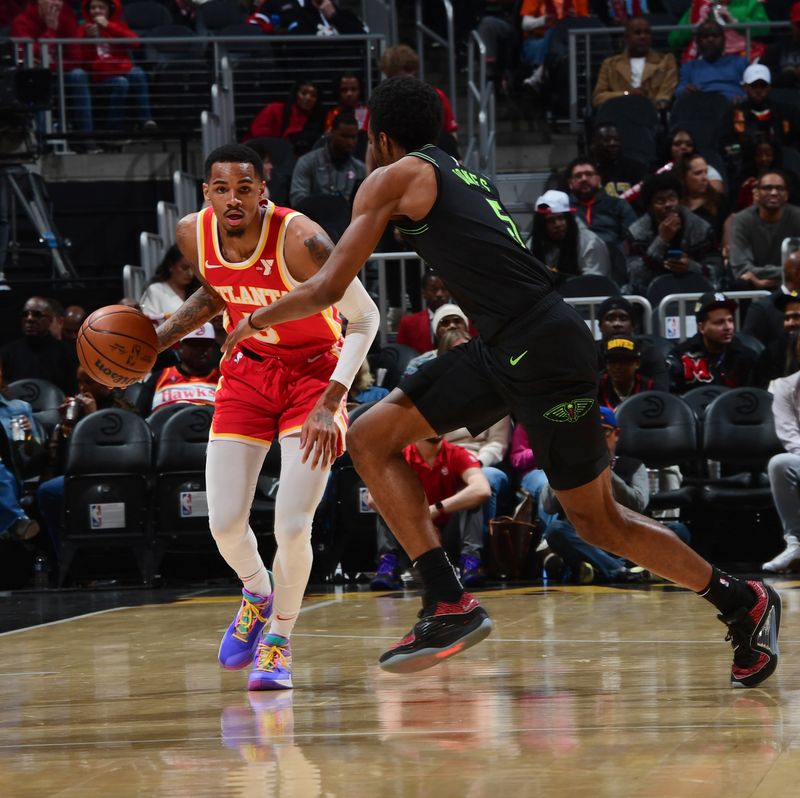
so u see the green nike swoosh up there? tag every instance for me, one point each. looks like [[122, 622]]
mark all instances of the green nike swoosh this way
[[514, 360]]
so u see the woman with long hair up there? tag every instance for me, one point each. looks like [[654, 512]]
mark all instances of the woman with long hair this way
[[300, 118], [698, 195], [564, 244], [679, 144], [172, 282]]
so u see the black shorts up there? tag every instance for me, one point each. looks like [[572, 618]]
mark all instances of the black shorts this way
[[543, 371]]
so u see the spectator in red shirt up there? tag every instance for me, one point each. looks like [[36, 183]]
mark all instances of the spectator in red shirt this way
[[9, 9], [54, 19], [416, 329], [350, 101], [110, 64], [456, 490], [300, 118]]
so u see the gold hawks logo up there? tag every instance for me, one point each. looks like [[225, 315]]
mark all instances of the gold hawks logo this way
[[569, 411]]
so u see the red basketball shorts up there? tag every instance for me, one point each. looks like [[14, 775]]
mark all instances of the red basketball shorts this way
[[257, 400]]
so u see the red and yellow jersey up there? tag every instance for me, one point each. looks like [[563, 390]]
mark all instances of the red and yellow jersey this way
[[173, 386], [260, 280]]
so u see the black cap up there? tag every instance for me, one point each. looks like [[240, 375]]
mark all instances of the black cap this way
[[621, 346], [614, 303], [783, 299], [712, 301]]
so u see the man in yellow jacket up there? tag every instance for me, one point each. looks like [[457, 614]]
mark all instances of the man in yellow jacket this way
[[639, 70]]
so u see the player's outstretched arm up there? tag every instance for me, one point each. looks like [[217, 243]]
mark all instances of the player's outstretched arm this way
[[202, 305], [378, 199]]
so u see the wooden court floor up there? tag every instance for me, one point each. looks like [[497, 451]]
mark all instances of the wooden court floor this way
[[584, 691]]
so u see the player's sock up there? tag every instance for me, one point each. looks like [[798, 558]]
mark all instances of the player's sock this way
[[258, 583], [727, 593], [438, 577], [282, 626]]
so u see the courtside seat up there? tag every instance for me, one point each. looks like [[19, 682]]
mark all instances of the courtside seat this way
[[180, 485], [738, 509], [107, 488], [659, 429]]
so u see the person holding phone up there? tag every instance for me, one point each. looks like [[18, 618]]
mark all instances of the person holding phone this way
[[668, 238]]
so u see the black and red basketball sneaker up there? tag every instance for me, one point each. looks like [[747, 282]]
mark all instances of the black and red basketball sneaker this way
[[754, 636], [442, 631]]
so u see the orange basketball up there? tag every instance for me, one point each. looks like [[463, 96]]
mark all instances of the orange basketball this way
[[117, 345]]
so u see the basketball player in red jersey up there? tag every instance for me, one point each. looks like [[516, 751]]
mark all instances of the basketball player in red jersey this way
[[289, 383]]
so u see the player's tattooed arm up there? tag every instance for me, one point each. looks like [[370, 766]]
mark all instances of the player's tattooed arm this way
[[199, 308], [202, 305], [319, 246]]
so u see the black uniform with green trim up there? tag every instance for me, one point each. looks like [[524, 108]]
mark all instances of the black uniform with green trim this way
[[535, 357], [469, 237]]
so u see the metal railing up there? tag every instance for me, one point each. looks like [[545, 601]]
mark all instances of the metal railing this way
[[218, 125], [166, 221], [481, 119], [185, 192], [381, 259], [425, 33], [380, 16], [151, 252], [133, 281], [667, 324], [181, 70], [582, 77]]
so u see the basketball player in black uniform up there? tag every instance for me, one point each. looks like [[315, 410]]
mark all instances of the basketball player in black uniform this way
[[534, 358]]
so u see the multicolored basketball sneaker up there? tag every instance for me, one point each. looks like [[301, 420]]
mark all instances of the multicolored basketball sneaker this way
[[754, 636], [272, 667], [442, 631], [241, 638]]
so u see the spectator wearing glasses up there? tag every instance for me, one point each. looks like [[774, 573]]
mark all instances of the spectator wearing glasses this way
[[37, 354], [607, 217], [757, 233]]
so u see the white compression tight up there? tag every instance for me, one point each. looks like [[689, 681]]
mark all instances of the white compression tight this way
[[232, 469]]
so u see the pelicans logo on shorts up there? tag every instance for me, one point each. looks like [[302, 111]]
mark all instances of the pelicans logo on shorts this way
[[570, 411]]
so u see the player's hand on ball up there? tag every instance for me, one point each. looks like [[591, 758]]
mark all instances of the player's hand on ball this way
[[241, 332], [320, 437]]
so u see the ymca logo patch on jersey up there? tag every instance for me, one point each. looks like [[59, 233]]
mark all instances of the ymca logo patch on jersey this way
[[569, 412], [265, 267]]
